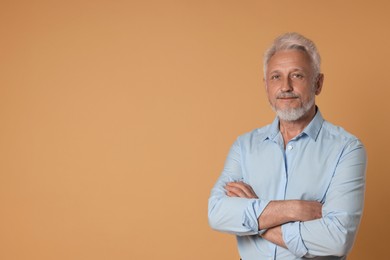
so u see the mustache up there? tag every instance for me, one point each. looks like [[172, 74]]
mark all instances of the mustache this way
[[287, 95]]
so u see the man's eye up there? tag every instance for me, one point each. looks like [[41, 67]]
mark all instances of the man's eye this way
[[297, 76], [275, 77]]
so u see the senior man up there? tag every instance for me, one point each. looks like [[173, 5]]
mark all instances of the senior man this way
[[293, 189]]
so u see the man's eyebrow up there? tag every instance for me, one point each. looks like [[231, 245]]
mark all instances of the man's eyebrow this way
[[274, 71], [292, 70], [298, 69]]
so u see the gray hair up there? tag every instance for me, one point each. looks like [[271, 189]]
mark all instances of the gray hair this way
[[294, 41]]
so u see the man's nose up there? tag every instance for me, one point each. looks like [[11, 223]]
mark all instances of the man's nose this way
[[287, 85]]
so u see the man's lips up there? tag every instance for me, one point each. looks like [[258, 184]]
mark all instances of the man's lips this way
[[287, 98]]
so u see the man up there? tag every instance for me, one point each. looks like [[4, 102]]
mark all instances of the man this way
[[293, 189]]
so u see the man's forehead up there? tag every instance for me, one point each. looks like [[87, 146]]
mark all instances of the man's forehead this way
[[292, 59]]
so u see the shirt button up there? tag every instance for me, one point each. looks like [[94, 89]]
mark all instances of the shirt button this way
[[289, 147]]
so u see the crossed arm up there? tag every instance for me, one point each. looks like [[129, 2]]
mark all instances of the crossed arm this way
[[305, 228], [277, 213]]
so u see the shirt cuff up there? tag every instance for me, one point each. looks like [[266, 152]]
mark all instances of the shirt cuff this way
[[252, 213], [291, 233]]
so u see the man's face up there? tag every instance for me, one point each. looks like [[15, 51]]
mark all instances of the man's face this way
[[291, 84]]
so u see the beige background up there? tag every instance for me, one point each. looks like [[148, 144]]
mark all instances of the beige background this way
[[116, 117]]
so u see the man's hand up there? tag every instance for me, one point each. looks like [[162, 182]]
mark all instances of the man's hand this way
[[240, 189]]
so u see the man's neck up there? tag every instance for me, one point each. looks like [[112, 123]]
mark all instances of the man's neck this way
[[290, 129]]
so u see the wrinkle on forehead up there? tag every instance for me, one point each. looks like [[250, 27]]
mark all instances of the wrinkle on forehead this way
[[293, 60]]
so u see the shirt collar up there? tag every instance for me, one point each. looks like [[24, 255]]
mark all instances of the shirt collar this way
[[312, 129]]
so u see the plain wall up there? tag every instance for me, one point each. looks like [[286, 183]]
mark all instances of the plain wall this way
[[116, 117]]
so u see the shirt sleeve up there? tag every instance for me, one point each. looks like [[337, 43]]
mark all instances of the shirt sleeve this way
[[335, 232], [231, 214]]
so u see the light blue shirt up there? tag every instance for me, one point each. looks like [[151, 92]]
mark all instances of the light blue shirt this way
[[324, 163]]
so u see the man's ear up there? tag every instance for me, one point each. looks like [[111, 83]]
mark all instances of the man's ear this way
[[318, 83], [265, 84]]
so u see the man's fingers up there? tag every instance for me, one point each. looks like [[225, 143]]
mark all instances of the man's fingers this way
[[235, 192], [251, 190], [241, 189]]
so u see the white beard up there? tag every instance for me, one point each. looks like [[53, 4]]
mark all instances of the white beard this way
[[294, 114]]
